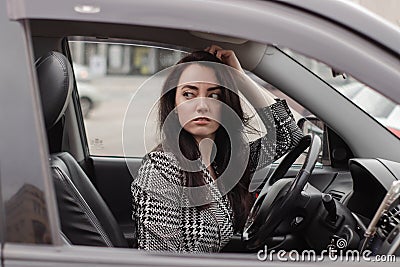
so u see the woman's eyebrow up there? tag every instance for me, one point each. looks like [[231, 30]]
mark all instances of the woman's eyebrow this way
[[190, 87], [193, 87], [214, 88]]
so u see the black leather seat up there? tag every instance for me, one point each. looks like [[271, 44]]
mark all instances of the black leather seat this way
[[84, 216]]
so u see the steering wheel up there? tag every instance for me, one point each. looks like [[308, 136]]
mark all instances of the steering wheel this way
[[280, 195]]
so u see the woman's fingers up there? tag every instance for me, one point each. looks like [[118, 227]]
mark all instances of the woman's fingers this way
[[219, 52], [213, 49], [226, 56]]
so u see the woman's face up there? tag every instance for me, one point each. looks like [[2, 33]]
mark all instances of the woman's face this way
[[197, 101]]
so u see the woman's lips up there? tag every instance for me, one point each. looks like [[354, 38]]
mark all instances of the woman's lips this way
[[201, 120]]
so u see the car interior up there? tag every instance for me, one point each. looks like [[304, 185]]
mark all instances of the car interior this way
[[93, 193], [80, 206]]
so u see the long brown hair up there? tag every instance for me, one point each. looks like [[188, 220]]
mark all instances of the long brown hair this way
[[239, 197]]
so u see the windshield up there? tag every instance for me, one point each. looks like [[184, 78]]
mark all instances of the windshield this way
[[382, 109]]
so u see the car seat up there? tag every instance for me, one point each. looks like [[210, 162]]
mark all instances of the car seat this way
[[84, 216]]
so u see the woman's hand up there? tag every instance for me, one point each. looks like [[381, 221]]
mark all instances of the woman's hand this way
[[226, 56], [257, 96]]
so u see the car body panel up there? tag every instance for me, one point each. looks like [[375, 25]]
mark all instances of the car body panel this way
[[90, 256], [21, 110]]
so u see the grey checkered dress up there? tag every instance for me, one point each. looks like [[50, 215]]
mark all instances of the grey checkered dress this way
[[162, 214]]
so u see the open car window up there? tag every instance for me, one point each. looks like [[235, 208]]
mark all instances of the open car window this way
[[114, 77], [108, 77]]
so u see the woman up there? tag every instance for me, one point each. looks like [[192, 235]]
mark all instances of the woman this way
[[191, 192]]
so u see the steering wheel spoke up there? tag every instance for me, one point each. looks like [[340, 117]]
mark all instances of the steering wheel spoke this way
[[280, 196]]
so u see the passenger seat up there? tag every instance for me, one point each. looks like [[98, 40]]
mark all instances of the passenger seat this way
[[84, 216]]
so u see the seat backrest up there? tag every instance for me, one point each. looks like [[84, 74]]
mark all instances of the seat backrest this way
[[84, 216]]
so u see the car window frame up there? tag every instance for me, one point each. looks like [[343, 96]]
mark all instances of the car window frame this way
[[17, 52]]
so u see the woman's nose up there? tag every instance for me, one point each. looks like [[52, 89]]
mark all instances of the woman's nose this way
[[202, 105]]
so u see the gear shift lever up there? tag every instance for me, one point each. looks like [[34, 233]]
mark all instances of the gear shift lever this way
[[329, 204]]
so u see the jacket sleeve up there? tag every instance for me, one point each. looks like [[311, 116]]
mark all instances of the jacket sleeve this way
[[156, 203], [282, 135]]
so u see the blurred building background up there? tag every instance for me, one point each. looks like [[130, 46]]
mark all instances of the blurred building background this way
[[121, 59]]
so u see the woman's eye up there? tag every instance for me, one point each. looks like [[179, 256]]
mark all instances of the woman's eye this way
[[215, 96], [188, 95]]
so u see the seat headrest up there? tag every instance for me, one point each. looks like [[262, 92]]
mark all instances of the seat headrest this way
[[55, 79]]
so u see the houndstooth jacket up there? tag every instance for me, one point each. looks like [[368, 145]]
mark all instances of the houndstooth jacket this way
[[162, 214]]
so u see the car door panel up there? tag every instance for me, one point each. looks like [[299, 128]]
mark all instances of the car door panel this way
[[113, 180]]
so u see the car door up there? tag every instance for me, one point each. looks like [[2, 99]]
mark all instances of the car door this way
[[64, 19], [26, 196]]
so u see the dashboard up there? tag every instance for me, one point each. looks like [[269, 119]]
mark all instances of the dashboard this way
[[376, 200]]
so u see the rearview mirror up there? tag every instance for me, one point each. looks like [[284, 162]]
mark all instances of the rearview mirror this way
[[313, 125]]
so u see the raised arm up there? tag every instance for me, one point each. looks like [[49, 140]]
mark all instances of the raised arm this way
[[282, 135], [282, 131]]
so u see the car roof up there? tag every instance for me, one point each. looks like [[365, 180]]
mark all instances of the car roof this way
[[343, 12], [354, 17]]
